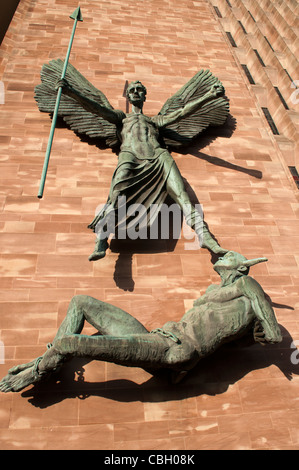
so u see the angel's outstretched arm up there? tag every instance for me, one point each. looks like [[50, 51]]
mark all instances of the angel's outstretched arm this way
[[88, 104], [189, 108]]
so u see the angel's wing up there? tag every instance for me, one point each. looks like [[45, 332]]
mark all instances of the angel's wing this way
[[213, 112], [78, 119]]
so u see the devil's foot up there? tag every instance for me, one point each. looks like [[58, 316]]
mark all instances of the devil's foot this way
[[20, 367], [20, 377]]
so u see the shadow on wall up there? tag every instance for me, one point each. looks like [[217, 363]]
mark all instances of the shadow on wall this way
[[7, 11]]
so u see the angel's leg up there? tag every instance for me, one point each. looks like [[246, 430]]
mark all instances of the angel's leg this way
[[107, 223], [103, 233], [176, 189]]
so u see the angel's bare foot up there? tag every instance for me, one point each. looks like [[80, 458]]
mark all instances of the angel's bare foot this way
[[97, 255], [211, 244], [218, 250], [100, 250]]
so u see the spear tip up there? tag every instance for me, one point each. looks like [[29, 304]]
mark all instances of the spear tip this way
[[77, 15]]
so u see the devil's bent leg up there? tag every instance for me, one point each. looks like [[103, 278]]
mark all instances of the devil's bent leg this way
[[106, 318]]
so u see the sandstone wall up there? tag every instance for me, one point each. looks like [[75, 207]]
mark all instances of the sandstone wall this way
[[236, 399]]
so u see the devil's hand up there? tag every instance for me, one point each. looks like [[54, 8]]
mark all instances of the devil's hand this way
[[258, 333]]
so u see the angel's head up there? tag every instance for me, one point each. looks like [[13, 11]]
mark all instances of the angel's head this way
[[136, 92]]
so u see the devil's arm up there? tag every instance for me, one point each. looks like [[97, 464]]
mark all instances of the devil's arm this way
[[262, 308]]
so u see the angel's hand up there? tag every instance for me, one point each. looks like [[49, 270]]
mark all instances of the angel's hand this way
[[64, 84], [216, 90]]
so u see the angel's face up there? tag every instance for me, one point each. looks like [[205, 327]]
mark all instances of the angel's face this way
[[136, 93]]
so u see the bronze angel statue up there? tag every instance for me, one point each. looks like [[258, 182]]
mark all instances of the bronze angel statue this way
[[146, 173]]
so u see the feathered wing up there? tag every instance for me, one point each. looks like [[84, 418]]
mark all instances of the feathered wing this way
[[213, 112], [75, 116]]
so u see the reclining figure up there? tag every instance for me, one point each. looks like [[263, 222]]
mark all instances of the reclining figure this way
[[225, 312]]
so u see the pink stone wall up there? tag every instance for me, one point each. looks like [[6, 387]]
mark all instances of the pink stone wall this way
[[236, 399]]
